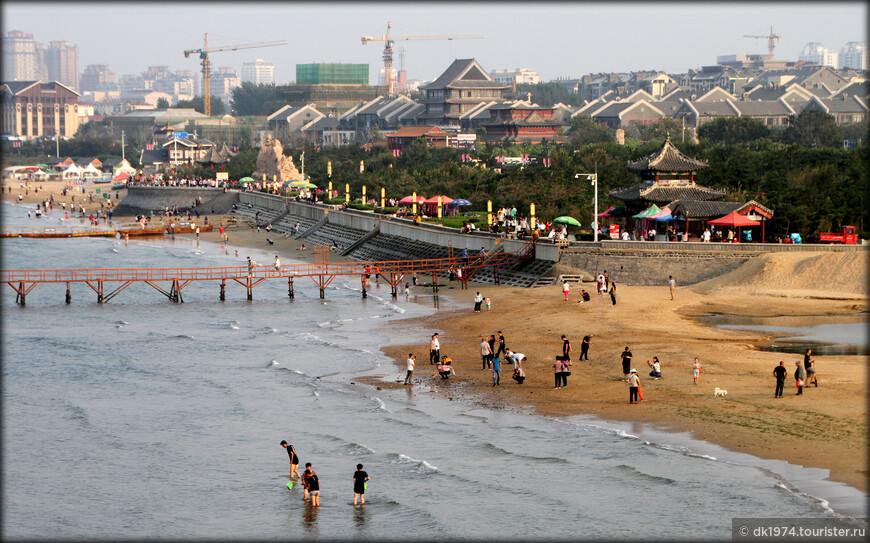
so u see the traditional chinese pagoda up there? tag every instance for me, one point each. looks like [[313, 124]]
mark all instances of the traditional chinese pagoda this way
[[666, 175]]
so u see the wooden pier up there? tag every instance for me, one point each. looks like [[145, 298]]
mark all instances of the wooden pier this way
[[108, 283], [97, 231]]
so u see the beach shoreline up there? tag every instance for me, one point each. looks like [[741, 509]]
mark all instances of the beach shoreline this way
[[825, 428]]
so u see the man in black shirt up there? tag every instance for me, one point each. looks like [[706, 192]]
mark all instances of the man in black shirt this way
[[566, 348], [312, 484], [584, 347], [359, 484], [626, 362], [779, 372], [294, 458], [501, 349]]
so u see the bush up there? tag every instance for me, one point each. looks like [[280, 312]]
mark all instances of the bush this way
[[864, 235]]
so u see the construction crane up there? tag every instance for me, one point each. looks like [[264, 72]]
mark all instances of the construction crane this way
[[206, 64], [771, 40], [388, 48]]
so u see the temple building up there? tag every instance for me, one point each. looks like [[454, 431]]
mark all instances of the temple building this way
[[668, 181]]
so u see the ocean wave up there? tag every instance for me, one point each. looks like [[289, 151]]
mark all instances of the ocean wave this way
[[421, 465], [183, 336], [272, 363], [646, 476], [381, 405], [357, 449]]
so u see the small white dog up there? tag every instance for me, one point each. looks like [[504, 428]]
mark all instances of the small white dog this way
[[720, 392]]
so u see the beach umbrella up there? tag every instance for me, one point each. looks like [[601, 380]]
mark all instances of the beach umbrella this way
[[410, 199], [246, 180], [734, 219], [645, 214], [566, 220], [460, 202], [662, 212], [434, 200], [43, 165]]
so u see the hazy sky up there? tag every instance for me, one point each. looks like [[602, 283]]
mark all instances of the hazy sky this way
[[561, 39]]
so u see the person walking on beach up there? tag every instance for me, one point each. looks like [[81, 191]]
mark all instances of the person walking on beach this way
[[584, 346], [313, 485], [491, 342], [411, 361], [277, 264], [696, 371], [478, 300], [566, 348], [810, 368], [599, 283], [359, 484], [626, 362], [557, 371], [566, 288], [779, 372], [501, 348], [633, 382], [800, 375], [294, 459], [672, 285], [496, 371], [434, 350], [485, 353], [613, 293]]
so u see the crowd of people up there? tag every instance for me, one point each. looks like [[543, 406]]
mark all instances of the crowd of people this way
[[311, 481]]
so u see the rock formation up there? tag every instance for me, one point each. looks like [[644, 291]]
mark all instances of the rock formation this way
[[271, 162]]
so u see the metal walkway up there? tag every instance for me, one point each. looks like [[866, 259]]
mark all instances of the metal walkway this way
[[108, 283]]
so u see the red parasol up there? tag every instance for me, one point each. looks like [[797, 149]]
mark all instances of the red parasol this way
[[410, 199], [434, 200], [734, 219]]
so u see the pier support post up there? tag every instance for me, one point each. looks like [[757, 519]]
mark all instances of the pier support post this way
[[364, 284], [434, 282], [290, 288], [21, 293], [223, 290], [250, 289], [99, 291], [68, 293]]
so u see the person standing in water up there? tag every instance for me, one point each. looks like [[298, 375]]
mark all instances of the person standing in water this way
[[294, 459], [313, 485], [359, 484]]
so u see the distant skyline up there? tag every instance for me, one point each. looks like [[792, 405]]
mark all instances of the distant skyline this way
[[557, 40]]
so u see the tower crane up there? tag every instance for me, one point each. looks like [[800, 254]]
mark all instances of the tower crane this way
[[771, 40], [388, 48], [206, 64]]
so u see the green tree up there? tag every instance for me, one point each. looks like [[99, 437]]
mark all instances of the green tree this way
[[548, 94], [217, 105], [243, 164], [733, 130], [585, 131], [254, 99], [813, 128], [162, 103]]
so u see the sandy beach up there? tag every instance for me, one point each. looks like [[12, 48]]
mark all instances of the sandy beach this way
[[826, 427]]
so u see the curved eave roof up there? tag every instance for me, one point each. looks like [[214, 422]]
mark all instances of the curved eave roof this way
[[668, 159], [665, 193]]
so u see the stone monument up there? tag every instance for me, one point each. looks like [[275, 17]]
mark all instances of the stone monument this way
[[271, 162]]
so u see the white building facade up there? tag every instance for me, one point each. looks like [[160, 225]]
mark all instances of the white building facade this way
[[259, 71]]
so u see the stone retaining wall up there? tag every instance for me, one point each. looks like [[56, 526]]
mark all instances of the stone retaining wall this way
[[147, 199]]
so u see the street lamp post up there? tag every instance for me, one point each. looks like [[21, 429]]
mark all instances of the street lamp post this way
[[593, 178]]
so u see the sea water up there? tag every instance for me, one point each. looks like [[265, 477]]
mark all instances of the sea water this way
[[141, 418]]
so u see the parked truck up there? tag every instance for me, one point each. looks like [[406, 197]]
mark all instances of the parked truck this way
[[847, 235]]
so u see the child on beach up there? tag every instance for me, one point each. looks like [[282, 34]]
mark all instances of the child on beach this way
[[487, 301], [696, 371], [566, 288]]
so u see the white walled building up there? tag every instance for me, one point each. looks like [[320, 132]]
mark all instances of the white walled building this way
[[816, 53], [259, 71], [518, 75], [19, 56], [854, 55]]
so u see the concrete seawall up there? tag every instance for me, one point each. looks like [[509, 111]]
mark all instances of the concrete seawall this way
[[144, 200], [650, 263]]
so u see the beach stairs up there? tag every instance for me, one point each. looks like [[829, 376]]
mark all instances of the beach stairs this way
[[308, 226], [327, 233], [287, 221], [249, 214], [525, 273], [374, 232]]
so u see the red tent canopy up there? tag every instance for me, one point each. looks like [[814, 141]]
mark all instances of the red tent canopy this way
[[410, 199], [121, 176], [734, 219], [434, 200]]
